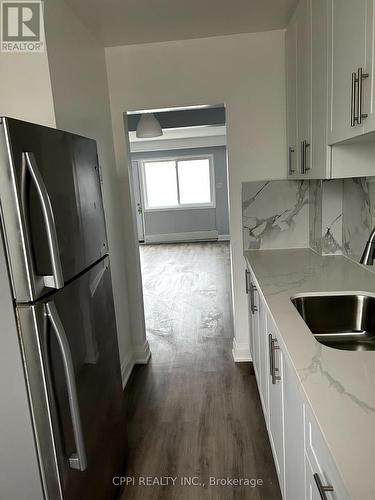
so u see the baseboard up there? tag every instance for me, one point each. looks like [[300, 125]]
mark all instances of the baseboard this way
[[141, 356], [127, 368], [241, 352], [181, 237], [223, 237], [138, 356]]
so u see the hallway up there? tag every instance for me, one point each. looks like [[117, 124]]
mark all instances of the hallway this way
[[192, 412]]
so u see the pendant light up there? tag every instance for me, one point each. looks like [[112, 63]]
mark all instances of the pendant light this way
[[148, 126]]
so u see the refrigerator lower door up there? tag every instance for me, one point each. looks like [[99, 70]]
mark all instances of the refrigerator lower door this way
[[72, 368], [52, 211]]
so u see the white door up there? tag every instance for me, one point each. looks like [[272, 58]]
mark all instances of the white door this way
[[136, 181], [291, 96], [347, 55]]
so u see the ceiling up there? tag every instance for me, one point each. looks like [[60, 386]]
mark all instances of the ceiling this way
[[188, 117], [123, 22]]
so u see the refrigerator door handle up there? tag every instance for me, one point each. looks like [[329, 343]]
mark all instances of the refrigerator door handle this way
[[56, 280], [77, 460]]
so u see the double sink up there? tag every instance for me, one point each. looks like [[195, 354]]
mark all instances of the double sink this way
[[339, 320]]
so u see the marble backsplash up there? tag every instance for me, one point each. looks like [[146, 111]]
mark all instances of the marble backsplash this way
[[331, 216], [325, 216], [358, 214], [275, 214]]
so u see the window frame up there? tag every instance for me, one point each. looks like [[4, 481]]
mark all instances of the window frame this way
[[176, 159]]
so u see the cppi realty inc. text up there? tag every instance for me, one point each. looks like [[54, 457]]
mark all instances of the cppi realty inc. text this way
[[194, 481]]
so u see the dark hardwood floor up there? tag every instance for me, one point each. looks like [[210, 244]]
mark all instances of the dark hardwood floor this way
[[192, 412]]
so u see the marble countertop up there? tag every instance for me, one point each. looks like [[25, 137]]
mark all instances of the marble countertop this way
[[339, 385]]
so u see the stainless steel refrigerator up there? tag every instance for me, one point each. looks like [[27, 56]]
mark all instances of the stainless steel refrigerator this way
[[53, 231]]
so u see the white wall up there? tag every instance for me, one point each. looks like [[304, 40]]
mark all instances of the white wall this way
[[67, 87], [26, 94], [246, 72], [80, 94], [25, 88]]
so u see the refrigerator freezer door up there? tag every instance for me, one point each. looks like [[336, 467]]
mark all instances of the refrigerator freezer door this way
[[70, 349], [52, 212]]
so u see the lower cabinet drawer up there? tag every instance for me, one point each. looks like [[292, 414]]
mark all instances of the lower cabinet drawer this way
[[318, 462]]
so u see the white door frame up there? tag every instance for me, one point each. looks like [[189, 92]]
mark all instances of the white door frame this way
[[138, 201]]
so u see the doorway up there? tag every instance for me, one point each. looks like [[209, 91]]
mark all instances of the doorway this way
[[191, 405], [179, 179], [178, 173]]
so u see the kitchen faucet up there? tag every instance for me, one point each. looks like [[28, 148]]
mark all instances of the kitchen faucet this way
[[369, 251]]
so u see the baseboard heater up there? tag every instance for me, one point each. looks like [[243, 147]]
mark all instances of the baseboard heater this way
[[182, 237]]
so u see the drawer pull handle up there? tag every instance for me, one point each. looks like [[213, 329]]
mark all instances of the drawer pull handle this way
[[247, 276], [290, 161], [273, 347], [360, 77], [321, 488], [253, 289], [353, 101]]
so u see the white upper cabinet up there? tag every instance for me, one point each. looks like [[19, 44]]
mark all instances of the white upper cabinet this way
[[369, 83], [303, 86], [348, 82], [320, 151], [291, 96], [307, 90], [330, 85]]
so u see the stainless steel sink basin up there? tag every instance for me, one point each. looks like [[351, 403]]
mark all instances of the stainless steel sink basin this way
[[342, 321]]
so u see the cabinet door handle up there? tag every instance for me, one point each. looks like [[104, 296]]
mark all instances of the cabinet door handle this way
[[302, 157], [273, 347], [252, 298], [360, 77], [247, 275], [306, 163], [322, 489], [353, 101], [304, 166], [291, 170]]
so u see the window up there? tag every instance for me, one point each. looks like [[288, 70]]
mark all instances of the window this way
[[178, 183]]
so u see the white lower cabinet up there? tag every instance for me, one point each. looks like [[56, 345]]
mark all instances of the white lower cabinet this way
[[251, 322], [276, 400], [302, 459], [264, 365], [258, 340], [318, 462], [254, 311], [294, 437], [311, 490]]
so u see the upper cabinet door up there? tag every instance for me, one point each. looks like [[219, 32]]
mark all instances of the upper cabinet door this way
[[348, 60], [291, 96], [369, 83], [303, 85], [320, 152]]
